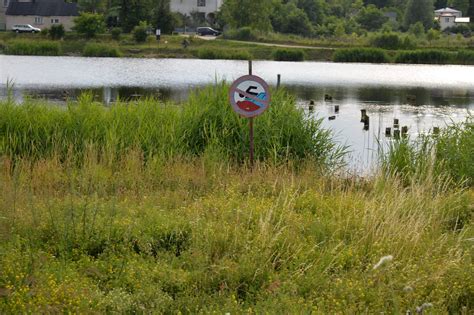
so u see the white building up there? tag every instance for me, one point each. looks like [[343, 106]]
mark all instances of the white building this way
[[448, 17], [205, 7]]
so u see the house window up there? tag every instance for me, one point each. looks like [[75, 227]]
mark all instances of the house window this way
[[5, 3], [39, 20], [201, 3], [54, 21], [446, 20]]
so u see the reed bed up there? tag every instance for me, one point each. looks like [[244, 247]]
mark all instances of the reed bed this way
[[204, 123], [449, 154]]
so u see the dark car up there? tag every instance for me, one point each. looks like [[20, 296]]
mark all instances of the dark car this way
[[203, 31]]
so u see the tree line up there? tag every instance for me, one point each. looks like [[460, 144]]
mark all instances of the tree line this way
[[301, 17]]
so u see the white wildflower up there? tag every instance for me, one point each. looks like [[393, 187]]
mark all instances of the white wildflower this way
[[384, 260], [408, 289]]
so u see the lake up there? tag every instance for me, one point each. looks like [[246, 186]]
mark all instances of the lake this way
[[420, 96]]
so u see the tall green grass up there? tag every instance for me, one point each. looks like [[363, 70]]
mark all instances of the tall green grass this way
[[197, 236], [288, 55], [205, 122], [34, 48], [424, 57], [100, 50], [372, 55], [447, 154], [207, 53]]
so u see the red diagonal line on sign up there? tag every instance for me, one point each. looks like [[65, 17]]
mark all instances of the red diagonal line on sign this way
[[251, 96]]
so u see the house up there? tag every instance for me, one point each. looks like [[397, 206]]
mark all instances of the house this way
[[449, 17], [41, 13], [3, 17], [206, 8]]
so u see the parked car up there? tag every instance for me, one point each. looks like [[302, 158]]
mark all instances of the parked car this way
[[25, 28], [203, 31]]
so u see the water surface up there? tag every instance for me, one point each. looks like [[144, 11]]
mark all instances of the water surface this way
[[420, 96]]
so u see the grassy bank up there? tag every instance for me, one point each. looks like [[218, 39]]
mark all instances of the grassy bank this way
[[171, 47], [168, 47], [196, 235], [427, 56], [149, 207]]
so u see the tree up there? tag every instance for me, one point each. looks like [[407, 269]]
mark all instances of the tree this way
[[93, 6], [419, 11], [89, 24], [371, 18], [461, 5], [240, 13], [288, 18], [140, 32], [132, 12], [432, 35], [162, 16], [314, 10]]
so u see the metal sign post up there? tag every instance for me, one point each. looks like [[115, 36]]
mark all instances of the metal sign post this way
[[250, 97]]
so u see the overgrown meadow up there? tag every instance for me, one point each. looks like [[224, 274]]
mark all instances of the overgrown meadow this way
[[146, 207]]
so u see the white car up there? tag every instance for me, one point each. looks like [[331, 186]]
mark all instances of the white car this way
[[25, 28]]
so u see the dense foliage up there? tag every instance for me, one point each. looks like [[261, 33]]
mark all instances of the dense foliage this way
[[302, 17], [89, 24], [40, 131]]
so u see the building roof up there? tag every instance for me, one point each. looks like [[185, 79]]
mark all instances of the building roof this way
[[447, 10], [43, 8]]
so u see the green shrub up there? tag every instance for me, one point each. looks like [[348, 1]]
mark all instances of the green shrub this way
[[423, 57], [206, 53], [100, 50], [288, 55], [140, 32], [89, 24], [374, 55], [243, 33], [392, 41], [465, 57], [116, 32], [57, 31], [387, 41], [33, 48]]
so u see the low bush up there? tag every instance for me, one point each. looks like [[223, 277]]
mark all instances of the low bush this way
[[392, 41], [116, 32], [206, 53], [140, 32], [56, 31], [100, 50], [288, 55], [33, 48], [243, 33], [374, 55], [423, 57]]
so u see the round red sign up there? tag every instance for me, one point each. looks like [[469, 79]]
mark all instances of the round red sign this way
[[249, 96]]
